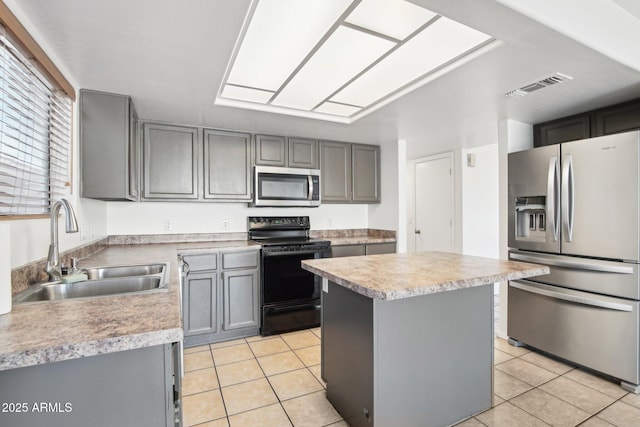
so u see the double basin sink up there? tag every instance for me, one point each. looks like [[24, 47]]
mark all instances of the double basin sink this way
[[101, 281]]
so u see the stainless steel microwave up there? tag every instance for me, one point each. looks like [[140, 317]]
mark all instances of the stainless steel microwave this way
[[276, 186]]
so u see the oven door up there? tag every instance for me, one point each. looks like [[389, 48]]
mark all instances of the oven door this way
[[284, 280], [290, 295]]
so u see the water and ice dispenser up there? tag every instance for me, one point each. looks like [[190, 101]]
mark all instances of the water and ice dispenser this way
[[531, 220]]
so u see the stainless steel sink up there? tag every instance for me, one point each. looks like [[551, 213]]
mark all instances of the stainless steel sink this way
[[124, 271], [102, 281]]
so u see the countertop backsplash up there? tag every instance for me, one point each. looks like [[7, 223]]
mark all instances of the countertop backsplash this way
[[22, 277]]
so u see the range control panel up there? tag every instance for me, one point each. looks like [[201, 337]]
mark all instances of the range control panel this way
[[279, 222]]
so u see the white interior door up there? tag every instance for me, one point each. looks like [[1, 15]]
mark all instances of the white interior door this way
[[434, 205]]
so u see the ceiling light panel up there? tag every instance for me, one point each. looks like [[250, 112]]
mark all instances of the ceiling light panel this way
[[435, 46], [337, 109], [394, 18], [246, 94], [341, 57], [280, 35]]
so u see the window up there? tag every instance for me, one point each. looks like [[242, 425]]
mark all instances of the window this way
[[35, 135]]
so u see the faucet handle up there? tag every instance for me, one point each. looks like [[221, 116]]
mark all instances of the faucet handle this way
[[74, 266]]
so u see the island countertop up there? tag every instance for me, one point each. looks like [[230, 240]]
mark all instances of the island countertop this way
[[397, 276]]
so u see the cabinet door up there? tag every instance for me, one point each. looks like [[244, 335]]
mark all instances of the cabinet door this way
[[303, 153], [366, 173], [171, 157], [227, 165], [108, 169], [199, 303], [561, 130], [240, 299], [270, 150], [335, 166], [620, 118]]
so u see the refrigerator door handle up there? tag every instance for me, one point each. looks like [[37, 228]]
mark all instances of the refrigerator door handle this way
[[568, 202], [571, 298], [578, 265], [553, 192]]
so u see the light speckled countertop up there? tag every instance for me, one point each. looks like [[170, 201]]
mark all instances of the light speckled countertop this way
[[37, 333], [397, 276]]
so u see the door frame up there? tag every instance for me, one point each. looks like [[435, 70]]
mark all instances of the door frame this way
[[453, 156]]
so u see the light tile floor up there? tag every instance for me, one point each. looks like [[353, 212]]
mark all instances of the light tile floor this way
[[275, 382]]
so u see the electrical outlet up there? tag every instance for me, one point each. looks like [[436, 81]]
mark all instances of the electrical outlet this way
[[83, 231], [225, 224], [168, 225]]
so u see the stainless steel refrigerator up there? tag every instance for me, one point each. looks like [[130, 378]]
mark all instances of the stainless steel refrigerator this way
[[575, 208]]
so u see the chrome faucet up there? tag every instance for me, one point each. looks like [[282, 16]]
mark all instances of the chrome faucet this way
[[53, 260]]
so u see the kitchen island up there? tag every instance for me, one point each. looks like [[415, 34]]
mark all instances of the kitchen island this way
[[407, 339]]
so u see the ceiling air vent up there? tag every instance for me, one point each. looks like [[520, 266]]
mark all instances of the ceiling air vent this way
[[540, 84]]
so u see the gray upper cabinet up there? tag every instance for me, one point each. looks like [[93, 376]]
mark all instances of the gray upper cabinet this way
[[350, 173], [335, 171], [366, 173], [303, 153], [108, 146], [290, 152], [171, 162], [271, 150], [227, 165]]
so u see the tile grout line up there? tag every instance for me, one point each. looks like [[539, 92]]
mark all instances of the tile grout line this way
[[224, 404], [617, 399]]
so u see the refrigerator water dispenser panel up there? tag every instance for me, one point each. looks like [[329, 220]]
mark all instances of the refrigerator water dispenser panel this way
[[530, 218]]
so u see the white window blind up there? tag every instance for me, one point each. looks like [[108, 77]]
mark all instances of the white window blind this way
[[35, 135]]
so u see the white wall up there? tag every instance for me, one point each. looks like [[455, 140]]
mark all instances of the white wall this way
[[385, 215], [480, 208], [30, 238], [150, 217]]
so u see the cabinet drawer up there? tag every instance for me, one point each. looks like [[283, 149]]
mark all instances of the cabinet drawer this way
[[202, 262], [347, 250], [381, 248], [240, 260]]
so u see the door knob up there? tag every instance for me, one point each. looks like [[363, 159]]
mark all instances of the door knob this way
[[417, 231]]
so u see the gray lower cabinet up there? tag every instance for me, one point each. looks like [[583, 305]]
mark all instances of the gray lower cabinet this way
[[241, 299], [200, 297], [290, 152], [220, 296], [108, 146], [133, 388], [171, 162], [363, 249], [227, 165], [350, 172]]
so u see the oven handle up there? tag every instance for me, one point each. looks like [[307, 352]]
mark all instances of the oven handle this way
[[271, 253]]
